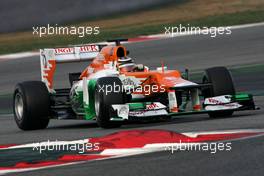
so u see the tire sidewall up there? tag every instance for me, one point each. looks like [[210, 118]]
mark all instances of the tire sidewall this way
[[36, 105], [24, 119]]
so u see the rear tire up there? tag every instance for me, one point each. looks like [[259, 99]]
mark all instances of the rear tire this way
[[222, 84], [31, 105], [104, 100]]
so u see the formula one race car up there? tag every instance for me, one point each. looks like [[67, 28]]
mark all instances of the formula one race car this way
[[113, 89]]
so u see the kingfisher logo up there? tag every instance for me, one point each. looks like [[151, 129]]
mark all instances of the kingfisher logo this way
[[64, 50], [86, 48]]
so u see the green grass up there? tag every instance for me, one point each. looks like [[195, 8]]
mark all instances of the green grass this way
[[131, 31]]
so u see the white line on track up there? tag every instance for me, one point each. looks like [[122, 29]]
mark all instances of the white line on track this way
[[18, 55]]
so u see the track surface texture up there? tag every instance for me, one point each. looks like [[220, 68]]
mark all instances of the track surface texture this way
[[242, 52]]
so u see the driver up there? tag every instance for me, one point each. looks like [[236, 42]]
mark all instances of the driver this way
[[127, 64]]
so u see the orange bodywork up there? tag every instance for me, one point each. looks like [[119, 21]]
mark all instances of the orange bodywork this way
[[165, 79], [109, 56]]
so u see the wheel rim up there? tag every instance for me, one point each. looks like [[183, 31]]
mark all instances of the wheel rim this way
[[19, 106], [96, 104]]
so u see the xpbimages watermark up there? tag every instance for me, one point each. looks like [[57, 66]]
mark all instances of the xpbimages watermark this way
[[212, 147], [80, 31], [80, 147], [188, 29], [146, 89]]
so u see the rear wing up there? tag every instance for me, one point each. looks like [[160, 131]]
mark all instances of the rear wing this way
[[50, 57]]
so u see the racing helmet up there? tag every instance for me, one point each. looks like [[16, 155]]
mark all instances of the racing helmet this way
[[126, 64]]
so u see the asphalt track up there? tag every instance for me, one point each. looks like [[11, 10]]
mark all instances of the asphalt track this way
[[242, 52]]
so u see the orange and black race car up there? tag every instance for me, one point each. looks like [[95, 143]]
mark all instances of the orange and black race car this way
[[113, 88]]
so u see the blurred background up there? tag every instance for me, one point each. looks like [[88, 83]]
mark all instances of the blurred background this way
[[21, 15], [115, 18]]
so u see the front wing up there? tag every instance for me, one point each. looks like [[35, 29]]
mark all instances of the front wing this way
[[152, 110]]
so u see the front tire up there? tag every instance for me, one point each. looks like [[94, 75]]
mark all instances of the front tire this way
[[104, 100], [222, 84], [31, 105]]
